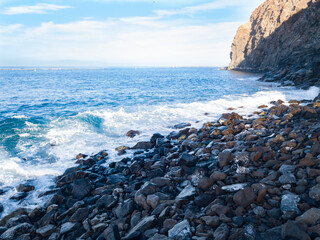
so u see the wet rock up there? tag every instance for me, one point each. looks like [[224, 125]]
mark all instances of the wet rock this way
[[143, 145], [181, 231], [222, 232], [24, 188], [16, 231], [70, 177], [188, 192], [146, 223], [289, 202], [133, 133], [187, 160], [18, 196], [309, 217], [81, 188], [81, 156], [182, 125], [314, 192], [46, 231], [122, 148], [291, 230], [224, 158]]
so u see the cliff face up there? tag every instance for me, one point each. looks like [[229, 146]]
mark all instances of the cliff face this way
[[282, 36]]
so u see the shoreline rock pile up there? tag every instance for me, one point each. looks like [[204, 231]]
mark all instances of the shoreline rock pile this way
[[256, 178]]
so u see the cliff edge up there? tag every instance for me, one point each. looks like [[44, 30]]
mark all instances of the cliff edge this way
[[282, 38]]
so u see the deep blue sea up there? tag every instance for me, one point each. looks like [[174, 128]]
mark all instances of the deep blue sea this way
[[49, 115]]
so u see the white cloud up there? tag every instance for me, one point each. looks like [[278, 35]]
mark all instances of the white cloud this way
[[119, 42], [40, 8], [218, 4]]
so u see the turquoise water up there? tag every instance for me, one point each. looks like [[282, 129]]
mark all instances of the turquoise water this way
[[47, 116]]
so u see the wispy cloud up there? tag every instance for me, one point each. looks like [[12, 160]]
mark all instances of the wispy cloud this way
[[142, 42], [218, 4], [40, 8]]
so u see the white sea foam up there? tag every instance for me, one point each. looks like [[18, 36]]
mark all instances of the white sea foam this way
[[92, 131]]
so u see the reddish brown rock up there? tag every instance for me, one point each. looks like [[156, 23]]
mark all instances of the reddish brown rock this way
[[133, 133], [244, 197]]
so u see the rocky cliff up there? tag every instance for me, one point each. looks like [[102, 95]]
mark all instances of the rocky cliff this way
[[282, 36]]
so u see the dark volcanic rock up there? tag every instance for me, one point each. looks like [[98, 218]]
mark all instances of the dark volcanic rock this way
[[291, 230], [143, 145], [187, 159], [224, 158], [143, 225], [180, 231], [81, 187], [24, 188], [244, 197], [112, 233], [15, 232]]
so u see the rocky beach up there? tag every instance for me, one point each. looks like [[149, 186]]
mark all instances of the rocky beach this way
[[235, 178], [239, 176]]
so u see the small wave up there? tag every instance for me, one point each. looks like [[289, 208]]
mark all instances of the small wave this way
[[19, 117]]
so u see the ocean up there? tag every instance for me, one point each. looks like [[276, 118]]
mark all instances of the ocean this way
[[49, 115]]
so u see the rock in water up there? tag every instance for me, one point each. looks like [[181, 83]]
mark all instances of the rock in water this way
[[133, 133], [181, 231]]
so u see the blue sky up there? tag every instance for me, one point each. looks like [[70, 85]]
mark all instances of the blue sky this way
[[120, 33]]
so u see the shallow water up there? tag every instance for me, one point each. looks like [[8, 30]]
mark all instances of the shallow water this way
[[48, 116]]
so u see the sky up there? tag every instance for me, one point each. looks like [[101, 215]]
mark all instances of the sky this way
[[123, 33]]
